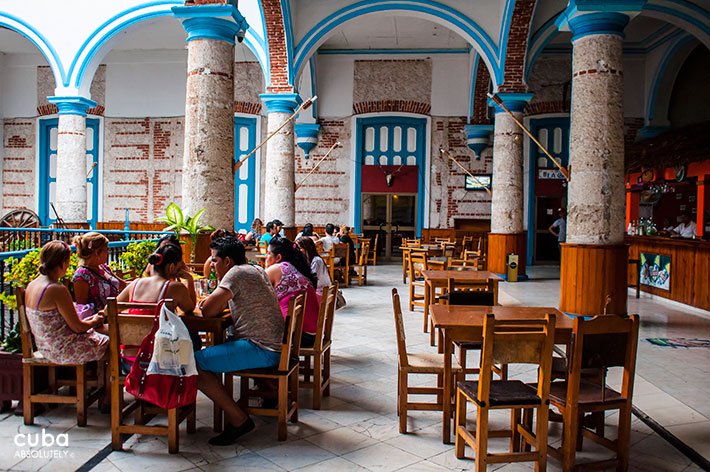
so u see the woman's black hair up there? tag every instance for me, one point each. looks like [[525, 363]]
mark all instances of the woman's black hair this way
[[229, 246], [290, 253], [307, 230], [164, 256], [170, 238], [307, 244]]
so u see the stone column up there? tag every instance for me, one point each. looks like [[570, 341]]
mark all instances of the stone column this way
[[594, 251], [207, 176], [71, 198], [507, 234], [279, 174]]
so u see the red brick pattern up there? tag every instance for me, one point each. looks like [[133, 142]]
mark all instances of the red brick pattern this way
[[380, 106], [539, 108], [597, 71], [480, 95], [247, 107], [517, 47], [18, 170], [631, 128], [278, 55], [52, 109]]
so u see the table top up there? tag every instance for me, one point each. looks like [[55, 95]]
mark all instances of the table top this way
[[460, 276], [459, 316]]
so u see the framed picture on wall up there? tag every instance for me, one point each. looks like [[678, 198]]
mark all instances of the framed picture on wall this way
[[478, 182]]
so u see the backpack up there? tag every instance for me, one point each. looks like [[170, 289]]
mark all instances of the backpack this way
[[164, 373]]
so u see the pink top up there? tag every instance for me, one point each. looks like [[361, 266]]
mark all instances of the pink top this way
[[292, 283]]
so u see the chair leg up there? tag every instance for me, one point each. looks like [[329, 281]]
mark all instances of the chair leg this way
[[293, 394], [317, 380], [569, 439], [326, 373], [402, 401], [81, 395], [528, 422], [541, 437], [460, 423], [624, 438], [27, 386], [173, 431], [440, 389], [481, 439], [283, 408], [192, 420], [515, 436]]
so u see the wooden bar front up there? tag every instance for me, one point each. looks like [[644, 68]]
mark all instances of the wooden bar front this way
[[589, 274], [689, 267], [500, 245]]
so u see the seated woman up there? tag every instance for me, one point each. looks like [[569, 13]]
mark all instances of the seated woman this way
[[60, 335], [165, 239], [254, 234], [167, 266], [290, 274], [308, 232], [94, 282], [318, 267]]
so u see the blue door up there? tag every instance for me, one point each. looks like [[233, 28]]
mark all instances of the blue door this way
[[390, 141], [547, 187], [48, 170], [245, 178]]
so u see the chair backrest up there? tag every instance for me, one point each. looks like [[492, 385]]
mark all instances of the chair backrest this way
[[600, 343], [25, 331], [322, 313], [293, 327], [399, 329], [364, 252], [341, 250], [442, 240], [330, 312], [461, 294], [470, 255], [418, 261], [517, 342], [447, 250], [412, 242]]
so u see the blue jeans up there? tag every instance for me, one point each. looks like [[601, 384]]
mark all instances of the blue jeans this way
[[236, 355]]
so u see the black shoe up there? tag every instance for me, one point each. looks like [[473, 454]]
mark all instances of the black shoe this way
[[270, 403], [232, 433]]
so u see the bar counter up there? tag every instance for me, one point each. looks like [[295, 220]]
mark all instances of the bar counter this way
[[673, 268]]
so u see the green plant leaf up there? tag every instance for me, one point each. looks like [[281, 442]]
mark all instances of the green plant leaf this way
[[175, 214]]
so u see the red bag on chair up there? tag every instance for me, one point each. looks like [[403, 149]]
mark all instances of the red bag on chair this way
[[164, 372]]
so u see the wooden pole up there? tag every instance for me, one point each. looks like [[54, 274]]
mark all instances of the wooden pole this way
[[448, 154], [304, 106], [562, 169], [300, 184]]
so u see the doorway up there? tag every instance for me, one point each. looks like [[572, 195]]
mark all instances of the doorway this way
[[391, 215]]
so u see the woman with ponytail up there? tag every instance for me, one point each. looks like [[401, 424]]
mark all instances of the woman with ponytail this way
[[61, 336], [94, 282], [290, 274]]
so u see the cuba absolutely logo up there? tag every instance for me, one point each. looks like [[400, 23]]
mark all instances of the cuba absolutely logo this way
[[54, 446]]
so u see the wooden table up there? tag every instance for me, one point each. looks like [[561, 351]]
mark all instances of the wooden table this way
[[434, 279], [465, 324], [217, 326]]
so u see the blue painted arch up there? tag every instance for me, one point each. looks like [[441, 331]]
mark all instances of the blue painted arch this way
[[30, 33], [432, 10], [98, 43]]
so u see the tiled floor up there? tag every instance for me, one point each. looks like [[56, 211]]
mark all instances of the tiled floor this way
[[357, 427]]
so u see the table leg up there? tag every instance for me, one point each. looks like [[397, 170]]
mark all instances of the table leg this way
[[427, 298], [448, 380], [494, 287], [218, 338]]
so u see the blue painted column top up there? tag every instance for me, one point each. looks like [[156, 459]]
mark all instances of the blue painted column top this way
[[307, 136], [592, 17], [478, 138], [68, 105], [216, 22], [281, 102], [515, 102]]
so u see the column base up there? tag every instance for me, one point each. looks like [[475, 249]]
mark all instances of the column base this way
[[500, 245], [590, 273]]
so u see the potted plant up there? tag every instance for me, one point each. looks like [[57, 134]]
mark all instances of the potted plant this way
[[133, 261], [178, 222]]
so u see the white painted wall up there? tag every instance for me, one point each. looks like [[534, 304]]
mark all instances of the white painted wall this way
[[19, 85], [634, 86], [145, 83], [450, 84], [2, 127], [335, 85]]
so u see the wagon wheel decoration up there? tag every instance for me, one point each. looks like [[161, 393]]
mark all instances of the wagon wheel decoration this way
[[20, 219]]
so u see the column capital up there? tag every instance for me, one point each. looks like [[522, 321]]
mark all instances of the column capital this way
[[68, 105], [307, 136], [592, 17], [648, 132], [478, 138], [281, 102], [216, 22], [515, 102]]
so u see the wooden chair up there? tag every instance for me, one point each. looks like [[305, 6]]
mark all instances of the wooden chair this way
[[285, 374], [418, 262], [361, 266], [462, 294], [406, 251], [600, 343], [319, 369], [412, 242], [372, 257], [125, 329], [415, 363], [342, 251], [508, 342], [87, 390]]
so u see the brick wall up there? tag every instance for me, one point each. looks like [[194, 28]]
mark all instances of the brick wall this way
[[631, 128], [480, 95], [18, 170], [278, 55], [517, 46], [142, 166]]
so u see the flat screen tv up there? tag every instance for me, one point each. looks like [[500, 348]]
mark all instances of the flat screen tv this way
[[478, 182]]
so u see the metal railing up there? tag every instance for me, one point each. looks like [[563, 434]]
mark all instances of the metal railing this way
[[26, 240]]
